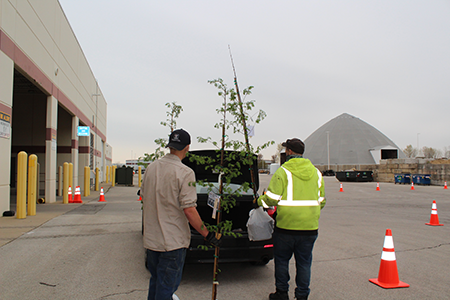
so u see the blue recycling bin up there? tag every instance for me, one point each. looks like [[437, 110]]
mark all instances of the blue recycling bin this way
[[423, 179], [402, 178]]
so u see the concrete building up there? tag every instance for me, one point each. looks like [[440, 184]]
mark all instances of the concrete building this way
[[47, 90], [348, 140]]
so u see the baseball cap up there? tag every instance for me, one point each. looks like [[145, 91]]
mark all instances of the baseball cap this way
[[295, 145], [179, 139]]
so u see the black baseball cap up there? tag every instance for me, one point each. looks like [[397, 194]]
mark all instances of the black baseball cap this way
[[295, 145], [179, 139]]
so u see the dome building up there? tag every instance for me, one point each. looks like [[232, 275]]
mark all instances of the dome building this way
[[347, 140]]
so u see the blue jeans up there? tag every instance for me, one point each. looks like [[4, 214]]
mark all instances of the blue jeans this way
[[301, 246], [166, 269]]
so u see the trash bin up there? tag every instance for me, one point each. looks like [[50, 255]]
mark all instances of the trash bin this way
[[424, 179], [364, 176], [346, 176], [403, 178], [357, 176], [124, 175]]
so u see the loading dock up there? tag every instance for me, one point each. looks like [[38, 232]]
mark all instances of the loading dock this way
[[47, 91]]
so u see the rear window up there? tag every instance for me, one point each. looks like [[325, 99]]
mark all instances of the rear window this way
[[215, 189]]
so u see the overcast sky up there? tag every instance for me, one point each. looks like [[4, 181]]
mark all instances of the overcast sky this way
[[385, 62]]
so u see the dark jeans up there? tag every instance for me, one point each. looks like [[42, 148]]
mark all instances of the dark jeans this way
[[166, 269], [301, 246]]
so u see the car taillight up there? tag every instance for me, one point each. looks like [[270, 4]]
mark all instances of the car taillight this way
[[268, 246]]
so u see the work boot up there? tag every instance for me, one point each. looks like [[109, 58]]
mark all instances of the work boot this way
[[279, 295]]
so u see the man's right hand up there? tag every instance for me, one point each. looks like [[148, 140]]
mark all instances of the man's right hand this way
[[211, 238]]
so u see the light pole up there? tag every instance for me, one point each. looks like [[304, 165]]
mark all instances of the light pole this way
[[328, 148], [418, 149], [96, 123]]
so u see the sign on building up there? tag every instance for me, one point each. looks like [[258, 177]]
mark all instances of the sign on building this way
[[5, 125], [84, 131]]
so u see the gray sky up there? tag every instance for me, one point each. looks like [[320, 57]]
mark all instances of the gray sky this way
[[385, 62]]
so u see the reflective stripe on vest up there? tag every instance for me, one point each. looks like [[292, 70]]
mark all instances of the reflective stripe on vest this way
[[320, 185], [273, 196], [290, 193]]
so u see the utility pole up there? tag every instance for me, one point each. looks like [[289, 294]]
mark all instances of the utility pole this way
[[418, 149], [328, 147], [96, 123]]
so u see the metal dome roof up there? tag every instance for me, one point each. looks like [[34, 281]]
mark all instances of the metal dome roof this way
[[350, 141]]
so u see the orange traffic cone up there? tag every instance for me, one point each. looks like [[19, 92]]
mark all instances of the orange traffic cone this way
[[69, 192], [341, 189], [140, 198], [434, 219], [445, 186], [378, 186], [412, 186], [102, 196], [77, 198], [388, 274]]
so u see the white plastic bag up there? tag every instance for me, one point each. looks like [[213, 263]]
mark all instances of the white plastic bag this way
[[259, 225]]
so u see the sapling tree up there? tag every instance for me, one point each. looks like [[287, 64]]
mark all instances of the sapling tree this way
[[234, 114], [173, 112]]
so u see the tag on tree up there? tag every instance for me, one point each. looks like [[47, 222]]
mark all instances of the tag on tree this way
[[213, 201]]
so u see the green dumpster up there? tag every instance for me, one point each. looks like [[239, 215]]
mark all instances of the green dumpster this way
[[124, 175]]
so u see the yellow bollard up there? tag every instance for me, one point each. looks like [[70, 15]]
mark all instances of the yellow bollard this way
[[87, 183], [139, 176], [21, 185], [66, 183], [113, 176], [97, 174], [71, 176], [32, 174]]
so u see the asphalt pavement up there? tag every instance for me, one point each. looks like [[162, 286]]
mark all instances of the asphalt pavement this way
[[94, 250]]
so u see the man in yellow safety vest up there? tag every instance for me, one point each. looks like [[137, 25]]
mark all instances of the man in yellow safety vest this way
[[298, 192]]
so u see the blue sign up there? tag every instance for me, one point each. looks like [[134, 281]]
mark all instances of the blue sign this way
[[84, 131]]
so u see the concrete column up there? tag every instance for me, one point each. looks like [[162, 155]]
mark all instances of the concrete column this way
[[74, 151], [6, 96], [50, 149]]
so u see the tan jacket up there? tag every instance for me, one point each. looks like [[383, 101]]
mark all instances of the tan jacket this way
[[165, 192]]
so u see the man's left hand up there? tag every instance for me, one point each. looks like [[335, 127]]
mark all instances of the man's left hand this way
[[211, 238]]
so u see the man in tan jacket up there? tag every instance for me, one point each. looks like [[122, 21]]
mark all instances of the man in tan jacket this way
[[169, 205]]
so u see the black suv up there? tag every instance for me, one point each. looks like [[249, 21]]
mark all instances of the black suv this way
[[233, 249]]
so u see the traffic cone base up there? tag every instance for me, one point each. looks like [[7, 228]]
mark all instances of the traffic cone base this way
[[432, 224], [388, 274], [400, 284]]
